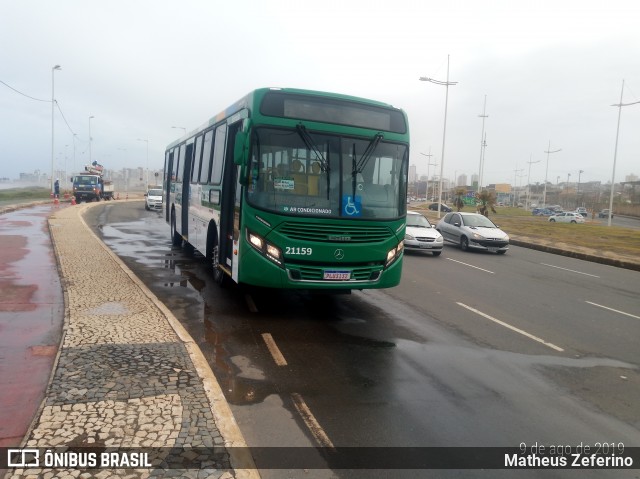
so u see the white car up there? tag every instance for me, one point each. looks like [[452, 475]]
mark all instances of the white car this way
[[422, 235], [153, 199], [473, 231], [567, 217]]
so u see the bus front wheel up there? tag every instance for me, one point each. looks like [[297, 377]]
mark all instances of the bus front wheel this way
[[219, 276], [213, 255], [176, 239]]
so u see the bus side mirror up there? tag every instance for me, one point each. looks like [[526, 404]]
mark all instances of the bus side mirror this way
[[240, 149]]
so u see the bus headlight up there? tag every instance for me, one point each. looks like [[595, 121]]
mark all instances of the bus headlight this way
[[394, 253], [391, 256], [265, 248], [273, 252], [256, 241]]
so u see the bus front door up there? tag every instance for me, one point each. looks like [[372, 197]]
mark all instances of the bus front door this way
[[229, 205]]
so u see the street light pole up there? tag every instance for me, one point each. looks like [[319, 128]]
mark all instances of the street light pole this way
[[53, 104], [548, 152], [483, 143], [444, 130], [515, 182], [578, 191], [529, 181], [90, 139], [615, 152], [484, 152], [426, 193]]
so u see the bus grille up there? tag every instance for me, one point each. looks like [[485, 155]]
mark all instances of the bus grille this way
[[327, 233]]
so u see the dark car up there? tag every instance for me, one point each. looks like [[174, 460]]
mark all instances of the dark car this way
[[542, 212], [604, 214], [443, 207]]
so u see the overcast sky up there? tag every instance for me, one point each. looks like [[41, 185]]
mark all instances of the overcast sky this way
[[550, 71]]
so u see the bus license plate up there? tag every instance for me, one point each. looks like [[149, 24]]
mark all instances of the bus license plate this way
[[337, 275]]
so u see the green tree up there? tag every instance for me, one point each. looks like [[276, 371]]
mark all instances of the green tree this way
[[486, 201]]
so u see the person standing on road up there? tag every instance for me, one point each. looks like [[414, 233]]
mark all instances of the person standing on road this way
[[56, 188]]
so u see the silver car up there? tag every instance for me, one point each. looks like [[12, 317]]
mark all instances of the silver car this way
[[473, 231], [421, 235]]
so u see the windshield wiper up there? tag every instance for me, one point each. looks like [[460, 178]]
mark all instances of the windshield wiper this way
[[364, 159], [309, 143], [358, 165]]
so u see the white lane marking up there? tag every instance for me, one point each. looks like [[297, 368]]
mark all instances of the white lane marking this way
[[614, 310], [513, 328], [311, 422], [571, 270], [274, 350], [471, 266]]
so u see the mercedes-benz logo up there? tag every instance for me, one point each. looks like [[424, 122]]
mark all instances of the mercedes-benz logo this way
[[339, 254]]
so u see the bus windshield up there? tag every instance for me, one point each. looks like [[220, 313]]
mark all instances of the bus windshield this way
[[312, 174]]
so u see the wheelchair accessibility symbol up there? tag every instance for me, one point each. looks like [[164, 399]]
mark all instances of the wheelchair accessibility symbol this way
[[351, 206]]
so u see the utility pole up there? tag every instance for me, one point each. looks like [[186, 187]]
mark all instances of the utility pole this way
[[426, 193], [615, 151], [515, 182], [578, 192], [483, 143], [529, 182], [548, 152]]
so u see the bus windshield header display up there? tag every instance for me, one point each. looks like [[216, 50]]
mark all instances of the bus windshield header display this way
[[331, 110]]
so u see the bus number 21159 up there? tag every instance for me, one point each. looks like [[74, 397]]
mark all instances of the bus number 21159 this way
[[298, 250]]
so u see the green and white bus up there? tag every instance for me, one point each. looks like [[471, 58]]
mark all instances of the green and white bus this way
[[294, 189]]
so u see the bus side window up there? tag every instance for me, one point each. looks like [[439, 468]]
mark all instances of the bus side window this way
[[197, 161], [218, 154], [181, 163], [205, 171], [176, 161]]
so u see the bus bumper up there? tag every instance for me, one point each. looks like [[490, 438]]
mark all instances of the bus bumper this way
[[260, 271]]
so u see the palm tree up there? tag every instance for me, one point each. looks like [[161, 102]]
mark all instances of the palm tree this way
[[486, 200], [457, 202]]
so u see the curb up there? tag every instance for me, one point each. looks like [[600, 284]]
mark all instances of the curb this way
[[618, 263], [224, 418], [212, 398]]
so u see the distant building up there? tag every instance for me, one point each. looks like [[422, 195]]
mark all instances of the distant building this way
[[413, 174]]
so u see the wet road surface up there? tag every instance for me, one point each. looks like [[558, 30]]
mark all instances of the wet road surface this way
[[31, 316], [365, 369]]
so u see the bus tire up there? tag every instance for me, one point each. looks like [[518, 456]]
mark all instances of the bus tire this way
[[213, 256]]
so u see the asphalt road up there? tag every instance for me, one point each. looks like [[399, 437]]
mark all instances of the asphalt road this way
[[471, 350]]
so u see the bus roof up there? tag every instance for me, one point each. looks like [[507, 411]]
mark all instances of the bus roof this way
[[254, 98]]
